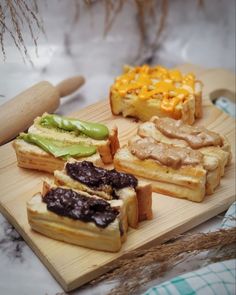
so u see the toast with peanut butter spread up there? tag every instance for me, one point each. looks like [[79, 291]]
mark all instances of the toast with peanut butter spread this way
[[144, 92], [78, 218], [53, 139], [109, 185], [180, 160]]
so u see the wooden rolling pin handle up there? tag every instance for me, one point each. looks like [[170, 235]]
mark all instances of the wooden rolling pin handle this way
[[18, 114], [68, 86]]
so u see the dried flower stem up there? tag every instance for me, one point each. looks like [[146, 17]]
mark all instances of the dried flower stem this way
[[14, 16], [116, 8], [142, 266]]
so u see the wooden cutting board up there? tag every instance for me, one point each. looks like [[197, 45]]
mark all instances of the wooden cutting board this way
[[73, 266]]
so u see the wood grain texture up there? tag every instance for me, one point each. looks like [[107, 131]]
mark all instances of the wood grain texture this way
[[73, 266], [18, 114]]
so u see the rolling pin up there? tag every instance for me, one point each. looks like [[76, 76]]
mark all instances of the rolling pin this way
[[18, 114]]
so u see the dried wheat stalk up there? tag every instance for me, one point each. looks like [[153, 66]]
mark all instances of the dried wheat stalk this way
[[146, 11], [15, 15], [142, 266]]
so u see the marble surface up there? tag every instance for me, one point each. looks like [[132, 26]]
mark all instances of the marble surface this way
[[23, 273], [202, 36]]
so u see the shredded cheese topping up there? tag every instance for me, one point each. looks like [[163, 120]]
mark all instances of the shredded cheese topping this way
[[170, 86]]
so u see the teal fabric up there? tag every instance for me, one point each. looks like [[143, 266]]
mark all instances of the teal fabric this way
[[226, 105], [230, 217], [214, 279]]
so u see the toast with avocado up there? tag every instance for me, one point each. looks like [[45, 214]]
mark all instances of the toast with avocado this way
[[54, 139]]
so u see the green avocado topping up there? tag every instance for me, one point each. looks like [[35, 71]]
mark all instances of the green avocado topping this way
[[58, 148], [92, 130]]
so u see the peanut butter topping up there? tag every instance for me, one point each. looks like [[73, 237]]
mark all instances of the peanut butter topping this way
[[196, 137], [166, 154]]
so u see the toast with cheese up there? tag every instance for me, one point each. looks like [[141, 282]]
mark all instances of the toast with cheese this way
[[143, 92], [78, 218]]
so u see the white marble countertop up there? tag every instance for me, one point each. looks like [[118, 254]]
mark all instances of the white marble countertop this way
[[202, 36]]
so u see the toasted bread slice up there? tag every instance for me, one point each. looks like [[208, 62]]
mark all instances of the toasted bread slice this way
[[143, 92], [105, 147], [48, 184], [71, 231], [33, 157], [86, 234], [215, 157], [137, 201], [186, 182]]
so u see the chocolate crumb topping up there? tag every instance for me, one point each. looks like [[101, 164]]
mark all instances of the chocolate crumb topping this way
[[96, 177], [67, 202]]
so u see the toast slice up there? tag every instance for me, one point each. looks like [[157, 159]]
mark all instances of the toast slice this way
[[137, 196], [86, 232], [144, 92], [181, 160], [47, 147], [33, 157], [187, 182], [215, 156], [106, 147]]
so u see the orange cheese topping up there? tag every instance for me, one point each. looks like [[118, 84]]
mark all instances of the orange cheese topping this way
[[156, 82]]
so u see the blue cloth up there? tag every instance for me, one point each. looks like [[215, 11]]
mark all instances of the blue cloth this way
[[226, 105]]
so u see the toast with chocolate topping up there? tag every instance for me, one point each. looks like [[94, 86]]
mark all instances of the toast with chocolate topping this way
[[180, 160], [78, 218], [109, 185]]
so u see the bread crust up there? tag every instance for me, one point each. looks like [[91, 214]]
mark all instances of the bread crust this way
[[144, 197], [129, 198], [108, 150], [32, 157], [198, 99]]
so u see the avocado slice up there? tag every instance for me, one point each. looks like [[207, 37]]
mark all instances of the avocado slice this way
[[58, 148], [90, 129]]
